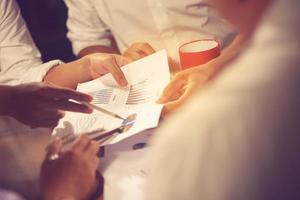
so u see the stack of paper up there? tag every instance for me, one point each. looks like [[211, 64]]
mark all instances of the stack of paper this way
[[146, 77]]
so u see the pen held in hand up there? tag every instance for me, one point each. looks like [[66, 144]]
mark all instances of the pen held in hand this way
[[101, 110]]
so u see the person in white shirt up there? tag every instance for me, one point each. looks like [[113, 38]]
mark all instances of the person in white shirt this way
[[27, 94], [147, 26], [20, 63], [239, 138], [20, 60], [184, 84], [133, 23]]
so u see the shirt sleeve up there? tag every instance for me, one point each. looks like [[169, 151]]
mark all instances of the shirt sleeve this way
[[227, 151], [238, 138], [20, 60], [85, 28]]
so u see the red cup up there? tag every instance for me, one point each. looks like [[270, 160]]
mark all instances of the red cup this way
[[198, 52]]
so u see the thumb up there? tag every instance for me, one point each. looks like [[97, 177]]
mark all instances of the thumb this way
[[188, 92], [122, 60], [171, 89], [54, 148]]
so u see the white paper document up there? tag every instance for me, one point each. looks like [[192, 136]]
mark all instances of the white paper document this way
[[146, 77]]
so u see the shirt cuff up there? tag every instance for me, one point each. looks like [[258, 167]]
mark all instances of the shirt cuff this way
[[38, 73], [28, 73]]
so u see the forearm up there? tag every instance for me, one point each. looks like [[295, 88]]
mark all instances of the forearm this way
[[70, 74], [5, 97], [97, 49]]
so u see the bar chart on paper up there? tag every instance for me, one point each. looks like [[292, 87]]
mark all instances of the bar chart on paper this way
[[102, 96], [146, 80], [138, 93]]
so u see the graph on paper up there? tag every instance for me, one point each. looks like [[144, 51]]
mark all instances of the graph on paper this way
[[102, 96], [85, 122], [146, 78], [138, 93]]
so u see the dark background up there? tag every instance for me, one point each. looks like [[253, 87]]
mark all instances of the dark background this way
[[46, 20]]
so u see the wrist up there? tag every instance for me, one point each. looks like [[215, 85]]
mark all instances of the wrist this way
[[70, 74], [84, 71], [211, 68]]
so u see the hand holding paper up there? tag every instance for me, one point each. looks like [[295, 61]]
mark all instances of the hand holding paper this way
[[146, 80]]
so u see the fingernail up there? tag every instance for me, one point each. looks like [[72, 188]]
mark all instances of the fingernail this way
[[90, 110], [123, 82], [88, 98]]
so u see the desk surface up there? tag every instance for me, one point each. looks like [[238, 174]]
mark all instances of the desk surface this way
[[124, 169]]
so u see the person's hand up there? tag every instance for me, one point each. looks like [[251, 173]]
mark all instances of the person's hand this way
[[181, 87], [70, 174], [138, 50], [41, 105], [174, 67], [102, 63]]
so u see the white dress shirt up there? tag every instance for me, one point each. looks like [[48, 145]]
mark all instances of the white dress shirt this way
[[162, 23], [21, 148], [239, 138], [20, 60]]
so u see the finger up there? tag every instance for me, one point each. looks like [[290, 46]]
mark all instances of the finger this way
[[133, 55], [171, 107], [61, 113], [44, 122], [174, 105], [48, 118], [121, 60], [112, 67], [68, 106], [171, 89], [92, 149], [81, 143], [107, 64], [140, 52], [52, 92], [191, 88], [176, 95], [96, 162], [50, 113], [54, 148], [173, 66], [144, 47]]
